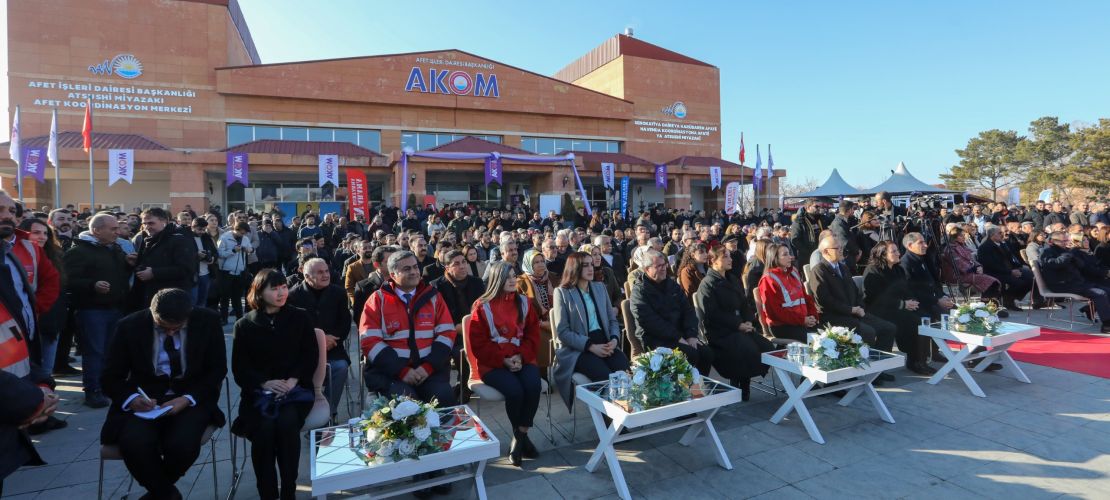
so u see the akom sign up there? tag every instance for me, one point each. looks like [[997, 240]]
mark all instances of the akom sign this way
[[456, 82]]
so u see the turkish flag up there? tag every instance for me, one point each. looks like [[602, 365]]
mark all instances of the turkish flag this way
[[86, 129], [741, 148]]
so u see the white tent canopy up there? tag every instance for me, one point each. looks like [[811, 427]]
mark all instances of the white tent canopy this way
[[832, 188], [902, 182]]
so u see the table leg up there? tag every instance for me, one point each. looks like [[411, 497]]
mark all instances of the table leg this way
[[877, 402], [606, 436], [695, 430], [479, 480], [956, 363], [796, 402], [722, 457], [857, 390], [1011, 366]]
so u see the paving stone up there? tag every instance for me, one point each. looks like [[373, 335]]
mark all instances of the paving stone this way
[[790, 464], [874, 479], [784, 493], [744, 480], [577, 483], [842, 454], [745, 441], [686, 486], [533, 488]]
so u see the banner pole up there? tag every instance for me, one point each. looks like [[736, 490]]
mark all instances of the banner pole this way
[[92, 186]]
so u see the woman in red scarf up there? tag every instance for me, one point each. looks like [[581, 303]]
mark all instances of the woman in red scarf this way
[[786, 306], [503, 335]]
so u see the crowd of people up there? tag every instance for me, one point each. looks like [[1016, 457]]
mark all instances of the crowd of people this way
[[143, 299]]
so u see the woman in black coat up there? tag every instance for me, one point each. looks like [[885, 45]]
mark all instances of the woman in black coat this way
[[886, 294], [727, 325], [274, 353]]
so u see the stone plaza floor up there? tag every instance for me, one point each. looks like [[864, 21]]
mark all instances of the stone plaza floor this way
[[1050, 439]]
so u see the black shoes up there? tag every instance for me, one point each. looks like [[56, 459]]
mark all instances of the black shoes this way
[[96, 399], [66, 370], [439, 489], [52, 423], [521, 448], [921, 368]]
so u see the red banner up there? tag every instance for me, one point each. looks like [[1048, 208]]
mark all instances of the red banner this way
[[356, 188]]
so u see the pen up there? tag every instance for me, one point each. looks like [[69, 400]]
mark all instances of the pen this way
[[143, 394]]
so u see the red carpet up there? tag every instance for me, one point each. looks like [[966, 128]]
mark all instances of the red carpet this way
[[1074, 352]]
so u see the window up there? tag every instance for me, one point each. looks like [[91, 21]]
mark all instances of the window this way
[[550, 146], [420, 141], [239, 134]]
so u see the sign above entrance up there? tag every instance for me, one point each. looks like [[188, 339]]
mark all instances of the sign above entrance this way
[[452, 82]]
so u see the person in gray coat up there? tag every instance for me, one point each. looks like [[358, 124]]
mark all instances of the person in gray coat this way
[[586, 325]]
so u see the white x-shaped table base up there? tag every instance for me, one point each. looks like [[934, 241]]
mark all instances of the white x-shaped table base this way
[[956, 360], [798, 393], [611, 435]]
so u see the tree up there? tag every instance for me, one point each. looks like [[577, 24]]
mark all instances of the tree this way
[[1049, 151], [991, 161], [793, 189], [1091, 165]]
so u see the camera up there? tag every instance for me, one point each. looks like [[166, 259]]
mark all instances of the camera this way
[[928, 204]]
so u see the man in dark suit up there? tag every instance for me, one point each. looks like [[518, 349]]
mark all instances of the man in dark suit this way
[[1000, 262], [166, 258], [1065, 274], [459, 291], [326, 304], [169, 355], [841, 303], [922, 276]]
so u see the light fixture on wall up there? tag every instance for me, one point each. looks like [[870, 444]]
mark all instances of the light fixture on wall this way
[[565, 180], [412, 180]]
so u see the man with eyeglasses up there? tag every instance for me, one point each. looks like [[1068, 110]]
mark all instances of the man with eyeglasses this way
[[664, 316], [170, 355], [923, 277], [1064, 273], [841, 303]]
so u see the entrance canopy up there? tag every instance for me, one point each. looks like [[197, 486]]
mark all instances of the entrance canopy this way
[[832, 188], [902, 182]]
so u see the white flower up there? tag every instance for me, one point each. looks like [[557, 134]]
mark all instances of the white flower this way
[[656, 362], [663, 350], [372, 435], [697, 376], [638, 377], [977, 305], [864, 352], [856, 339], [982, 313], [832, 353], [431, 418], [840, 330], [405, 410], [422, 433], [828, 344], [386, 448], [681, 377], [406, 447], [964, 318]]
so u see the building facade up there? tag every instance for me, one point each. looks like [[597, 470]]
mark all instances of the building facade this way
[[180, 83]]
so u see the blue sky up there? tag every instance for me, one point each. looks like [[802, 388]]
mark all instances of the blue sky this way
[[855, 85]]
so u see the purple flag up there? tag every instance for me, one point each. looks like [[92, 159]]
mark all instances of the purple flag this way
[[237, 164], [493, 169], [34, 163], [661, 176]]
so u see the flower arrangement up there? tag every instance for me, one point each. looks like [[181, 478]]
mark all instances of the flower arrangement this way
[[400, 428], [976, 317], [662, 377], [837, 347]]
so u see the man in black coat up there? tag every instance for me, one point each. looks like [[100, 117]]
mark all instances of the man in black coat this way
[[922, 276], [999, 261], [326, 304], [803, 233], [1062, 272], [459, 291], [841, 303], [166, 258], [372, 282], [664, 316], [841, 228], [170, 356]]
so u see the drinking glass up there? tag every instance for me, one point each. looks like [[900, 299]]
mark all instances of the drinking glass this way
[[944, 321]]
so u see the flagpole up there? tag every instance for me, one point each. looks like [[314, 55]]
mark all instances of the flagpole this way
[[52, 150], [18, 156], [92, 187]]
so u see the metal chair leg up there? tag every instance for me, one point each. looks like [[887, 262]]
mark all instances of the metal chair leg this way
[[215, 479]]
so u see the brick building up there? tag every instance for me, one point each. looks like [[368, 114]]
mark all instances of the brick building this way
[[180, 83]]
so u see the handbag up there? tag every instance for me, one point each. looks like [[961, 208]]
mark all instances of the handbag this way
[[268, 403]]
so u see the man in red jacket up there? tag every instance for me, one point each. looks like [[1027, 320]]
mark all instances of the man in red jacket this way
[[407, 335]]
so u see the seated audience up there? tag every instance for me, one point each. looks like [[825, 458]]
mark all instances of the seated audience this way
[[664, 315], [326, 304], [786, 307], [886, 293]]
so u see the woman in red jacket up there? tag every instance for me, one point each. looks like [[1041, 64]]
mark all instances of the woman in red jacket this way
[[787, 308], [505, 354]]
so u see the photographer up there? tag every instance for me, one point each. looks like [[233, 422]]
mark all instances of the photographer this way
[[206, 256], [233, 249]]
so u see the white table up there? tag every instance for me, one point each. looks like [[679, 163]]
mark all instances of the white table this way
[[653, 421], [335, 466], [993, 346], [839, 379]]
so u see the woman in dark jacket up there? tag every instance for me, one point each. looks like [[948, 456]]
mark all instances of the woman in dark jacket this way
[[730, 333], [886, 294], [274, 354]]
